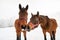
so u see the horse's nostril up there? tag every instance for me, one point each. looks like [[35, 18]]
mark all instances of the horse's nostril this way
[[23, 26], [28, 28]]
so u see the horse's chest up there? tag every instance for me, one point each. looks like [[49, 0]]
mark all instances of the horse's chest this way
[[22, 22], [22, 25]]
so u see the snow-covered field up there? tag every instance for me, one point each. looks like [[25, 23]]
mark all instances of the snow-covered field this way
[[36, 34]]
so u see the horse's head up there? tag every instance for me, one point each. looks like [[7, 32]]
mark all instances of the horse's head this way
[[34, 21], [23, 11], [35, 18], [23, 14]]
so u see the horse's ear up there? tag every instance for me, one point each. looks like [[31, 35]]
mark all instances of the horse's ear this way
[[27, 7], [37, 13], [31, 14], [19, 6]]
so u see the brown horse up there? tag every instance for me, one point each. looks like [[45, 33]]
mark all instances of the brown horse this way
[[21, 22], [47, 24]]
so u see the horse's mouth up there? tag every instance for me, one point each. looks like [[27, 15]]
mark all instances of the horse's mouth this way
[[29, 27], [25, 27]]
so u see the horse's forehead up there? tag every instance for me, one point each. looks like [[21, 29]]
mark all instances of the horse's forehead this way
[[35, 18], [23, 8]]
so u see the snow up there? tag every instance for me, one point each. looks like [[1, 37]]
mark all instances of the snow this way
[[9, 33]]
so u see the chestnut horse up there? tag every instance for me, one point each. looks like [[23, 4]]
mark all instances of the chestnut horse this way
[[21, 22], [47, 24]]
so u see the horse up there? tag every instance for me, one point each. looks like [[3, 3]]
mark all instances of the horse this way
[[47, 24], [21, 22]]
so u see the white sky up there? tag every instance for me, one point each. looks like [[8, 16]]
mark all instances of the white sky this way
[[10, 8]]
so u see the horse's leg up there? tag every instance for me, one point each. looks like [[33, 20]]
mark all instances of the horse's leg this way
[[24, 32], [19, 35], [44, 32], [45, 37], [53, 35]]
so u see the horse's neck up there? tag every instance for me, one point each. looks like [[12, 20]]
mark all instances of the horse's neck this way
[[41, 19], [44, 18], [23, 18], [45, 21]]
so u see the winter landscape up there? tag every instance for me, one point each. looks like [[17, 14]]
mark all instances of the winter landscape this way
[[9, 10]]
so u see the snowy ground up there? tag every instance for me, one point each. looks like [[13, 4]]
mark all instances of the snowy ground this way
[[36, 34]]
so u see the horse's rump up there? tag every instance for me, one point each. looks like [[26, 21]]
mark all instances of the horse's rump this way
[[52, 24]]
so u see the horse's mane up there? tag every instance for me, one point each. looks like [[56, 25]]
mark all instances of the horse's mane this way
[[47, 18]]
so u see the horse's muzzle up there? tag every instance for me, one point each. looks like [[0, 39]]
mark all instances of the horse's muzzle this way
[[25, 27], [28, 28]]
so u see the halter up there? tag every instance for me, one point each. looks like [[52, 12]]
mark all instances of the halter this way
[[22, 18], [33, 25]]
